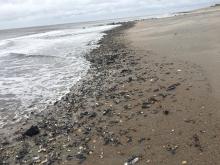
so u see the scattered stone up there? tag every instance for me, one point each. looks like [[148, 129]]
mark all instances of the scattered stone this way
[[92, 115], [22, 152], [101, 155], [36, 158], [196, 142], [130, 79], [80, 157], [190, 121], [172, 149], [127, 106], [5, 142], [111, 139], [82, 114], [127, 97], [116, 101], [126, 71], [129, 140], [146, 105], [141, 140], [34, 130], [69, 157], [132, 160], [166, 112], [44, 161], [155, 111], [148, 161], [42, 150], [184, 162], [202, 131], [164, 95], [172, 87], [107, 112]]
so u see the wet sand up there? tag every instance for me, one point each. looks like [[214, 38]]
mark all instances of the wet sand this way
[[150, 97]]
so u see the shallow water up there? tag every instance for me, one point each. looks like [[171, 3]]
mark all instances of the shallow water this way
[[37, 69]]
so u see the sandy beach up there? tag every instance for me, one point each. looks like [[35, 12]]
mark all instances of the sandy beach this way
[[151, 96]]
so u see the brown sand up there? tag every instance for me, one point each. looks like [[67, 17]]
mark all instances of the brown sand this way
[[194, 37], [191, 41], [152, 94]]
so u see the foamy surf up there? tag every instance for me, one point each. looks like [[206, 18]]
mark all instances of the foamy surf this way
[[38, 69]]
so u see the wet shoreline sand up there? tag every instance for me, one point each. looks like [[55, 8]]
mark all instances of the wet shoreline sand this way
[[139, 104]]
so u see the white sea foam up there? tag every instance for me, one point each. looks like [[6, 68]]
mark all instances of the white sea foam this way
[[38, 69]]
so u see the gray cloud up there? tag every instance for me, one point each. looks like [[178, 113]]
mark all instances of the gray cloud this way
[[18, 13]]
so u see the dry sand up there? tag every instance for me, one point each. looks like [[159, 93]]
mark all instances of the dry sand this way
[[193, 37]]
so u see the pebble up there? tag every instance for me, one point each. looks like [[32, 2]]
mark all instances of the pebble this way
[[132, 160], [166, 112], [148, 161], [36, 158], [184, 162], [44, 161]]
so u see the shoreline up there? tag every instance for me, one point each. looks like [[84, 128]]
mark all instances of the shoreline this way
[[77, 92], [138, 104]]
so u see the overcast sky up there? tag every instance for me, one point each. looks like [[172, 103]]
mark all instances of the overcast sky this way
[[22, 13]]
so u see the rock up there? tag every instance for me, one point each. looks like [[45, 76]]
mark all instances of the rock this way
[[92, 115], [196, 142], [107, 112], [129, 140], [82, 114], [80, 157], [164, 95], [111, 139], [172, 149], [146, 105], [155, 111], [34, 130], [166, 112], [69, 157], [184, 162], [127, 106], [173, 87], [36, 158], [141, 140], [5, 142], [127, 97], [23, 151], [117, 101], [130, 79], [132, 160], [126, 71], [44, 161]]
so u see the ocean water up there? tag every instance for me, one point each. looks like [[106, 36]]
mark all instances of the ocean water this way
[[38, 67]]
